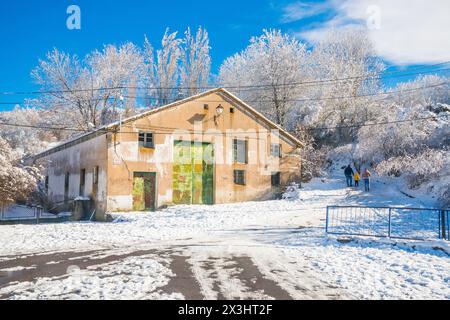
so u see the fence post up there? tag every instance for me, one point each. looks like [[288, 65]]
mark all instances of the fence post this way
[[448, 227], [326, 221], [389, 226], [443, 224]]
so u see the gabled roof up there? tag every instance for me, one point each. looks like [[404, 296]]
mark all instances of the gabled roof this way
[[221, 91]]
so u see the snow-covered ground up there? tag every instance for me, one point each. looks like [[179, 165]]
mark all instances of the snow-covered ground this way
[[285, 240]]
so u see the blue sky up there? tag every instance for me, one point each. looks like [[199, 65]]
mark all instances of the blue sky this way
[[28, 29]]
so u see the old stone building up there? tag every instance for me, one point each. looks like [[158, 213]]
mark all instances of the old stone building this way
[[206, 149]]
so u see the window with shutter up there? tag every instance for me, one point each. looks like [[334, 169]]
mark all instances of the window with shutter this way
[[275, 150], [240, 151]]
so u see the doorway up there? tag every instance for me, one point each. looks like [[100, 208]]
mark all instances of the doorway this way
[[144, 191], [193, 173]]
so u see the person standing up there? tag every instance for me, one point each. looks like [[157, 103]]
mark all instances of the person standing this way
[[357, 178], [366, 177], [349, 176]]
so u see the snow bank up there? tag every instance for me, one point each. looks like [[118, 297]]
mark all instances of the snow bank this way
[[286, 235]]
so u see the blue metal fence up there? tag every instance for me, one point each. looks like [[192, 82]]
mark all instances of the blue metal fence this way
[[392, 222]]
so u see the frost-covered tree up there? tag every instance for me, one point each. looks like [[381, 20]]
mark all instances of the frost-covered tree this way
[[424, 101], [350, 55], [195, 62], [180, 68], [164, 68], [85, 93], [26, 138], [416, 144], [275, 62], [17, 181], [117, 67]]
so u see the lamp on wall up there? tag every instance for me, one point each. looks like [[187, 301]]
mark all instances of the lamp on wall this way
[[219, 111]]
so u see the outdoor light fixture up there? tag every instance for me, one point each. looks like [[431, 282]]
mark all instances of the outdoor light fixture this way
[[219, 111]]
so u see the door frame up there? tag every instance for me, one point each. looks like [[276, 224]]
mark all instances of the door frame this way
[[155, 195]]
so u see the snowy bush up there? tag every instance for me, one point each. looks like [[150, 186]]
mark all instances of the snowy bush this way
[[444, 197], [292, 192], [314, 158], [28, 140], [17, 181], [418, 120], [417, 169]]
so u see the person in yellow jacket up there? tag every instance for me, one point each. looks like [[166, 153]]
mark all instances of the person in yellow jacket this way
[[357, 178]]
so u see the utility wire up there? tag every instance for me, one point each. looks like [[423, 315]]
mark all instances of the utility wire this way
[[268, 101], [166, 130], [240, 87], [319, 99]]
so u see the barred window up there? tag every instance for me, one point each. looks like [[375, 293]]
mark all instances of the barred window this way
[[239, 177]]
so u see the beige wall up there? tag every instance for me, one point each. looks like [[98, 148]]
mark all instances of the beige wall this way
[[125, 156], [85, 155]]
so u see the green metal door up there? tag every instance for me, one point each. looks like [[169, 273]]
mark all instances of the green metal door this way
[[182, 172], [193, 173], [208, 173]]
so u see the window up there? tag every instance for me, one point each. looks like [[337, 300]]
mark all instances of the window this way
[[275, 150], [239, 177], [146, 139], [66, 186], [276, 179], [82, 181], [46, 184], [95, 181], [240, 151]]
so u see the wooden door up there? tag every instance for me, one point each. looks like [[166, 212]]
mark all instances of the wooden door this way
[[144, 191]]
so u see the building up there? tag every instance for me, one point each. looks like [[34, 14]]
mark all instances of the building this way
[[206, 149]]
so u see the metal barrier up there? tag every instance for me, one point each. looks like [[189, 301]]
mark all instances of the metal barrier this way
[[19, 213], [391, 222]]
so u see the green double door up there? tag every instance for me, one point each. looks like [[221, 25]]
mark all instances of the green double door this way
[[193, 173]]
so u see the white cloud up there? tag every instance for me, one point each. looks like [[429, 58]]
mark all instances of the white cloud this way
[[299, 10], [403, 31]]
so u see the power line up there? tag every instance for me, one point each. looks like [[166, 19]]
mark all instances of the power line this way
[[323, 98], [375, 76], [332, 81], [378, 123], [8, 124], [167, 130], [268, 101]]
